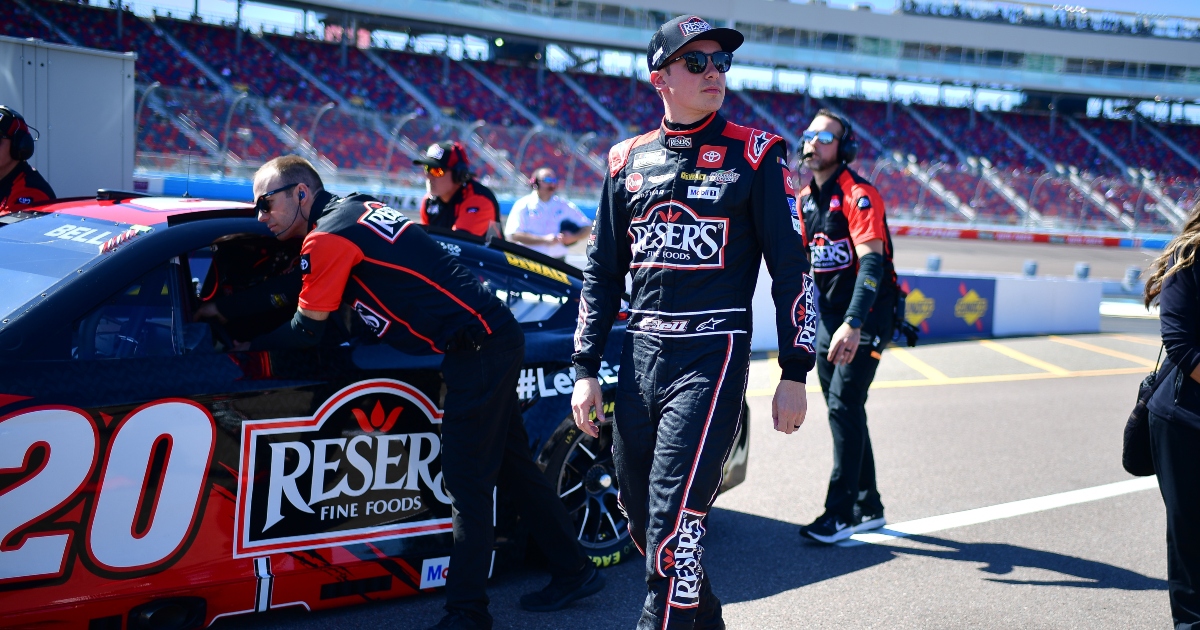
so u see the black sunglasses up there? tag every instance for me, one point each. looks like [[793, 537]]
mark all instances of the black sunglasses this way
[[697, 62], [823, 137], [262, 205]]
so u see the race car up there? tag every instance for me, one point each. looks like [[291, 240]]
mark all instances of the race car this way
[[150, 477]]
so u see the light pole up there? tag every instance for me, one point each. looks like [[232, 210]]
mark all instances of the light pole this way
[[1086, 198], [387, 161], [880, 165], [1137, 204], [1033, 192], [586, 138], [536, 129], [312, 132], [142, 103], [225, 133]]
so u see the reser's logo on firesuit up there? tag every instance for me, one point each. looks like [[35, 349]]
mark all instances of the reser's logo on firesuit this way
[[671, 235], [364, 467], [830, 255], [679, 559]]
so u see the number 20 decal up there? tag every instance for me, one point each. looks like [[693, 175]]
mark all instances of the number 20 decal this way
[[119, 537]]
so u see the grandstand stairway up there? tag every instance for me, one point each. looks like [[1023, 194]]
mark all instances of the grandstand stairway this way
[[47, 23], [977, 163], [193, 58], [199, 137], [601, 110], [1171, 144], [1165, 206], [1077, 182], [912, 168], [792, 139]]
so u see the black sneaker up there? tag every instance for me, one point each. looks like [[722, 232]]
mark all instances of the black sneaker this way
[[561, 592], [866, 521], [828, 529], [456, 620]]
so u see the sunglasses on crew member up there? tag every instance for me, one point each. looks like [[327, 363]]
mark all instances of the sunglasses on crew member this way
[[823, 137], [697, 62], [262, 205], [553, 181], [435, 171]]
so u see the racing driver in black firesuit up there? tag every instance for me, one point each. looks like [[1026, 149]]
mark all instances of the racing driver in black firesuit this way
[[690, 209], [408, 292]]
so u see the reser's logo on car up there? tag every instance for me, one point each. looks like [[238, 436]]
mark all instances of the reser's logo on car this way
[[830, 255], [671, 235], [364, 467]]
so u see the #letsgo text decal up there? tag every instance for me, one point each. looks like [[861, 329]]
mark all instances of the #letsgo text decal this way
[[671, 235], [535, 382], [365, 467]]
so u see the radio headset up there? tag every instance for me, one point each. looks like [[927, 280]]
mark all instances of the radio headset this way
[[14, 127], [848, 143]]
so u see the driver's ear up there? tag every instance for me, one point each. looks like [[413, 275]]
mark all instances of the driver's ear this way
[[658, 81]]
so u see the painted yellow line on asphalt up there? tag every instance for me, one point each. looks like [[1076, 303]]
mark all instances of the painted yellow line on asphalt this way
[[1067, 341], [1142, 340], [926, 370], [972, 380], [1024, 358]]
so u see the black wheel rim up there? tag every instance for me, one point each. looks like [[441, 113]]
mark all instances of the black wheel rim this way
[[587, 485]]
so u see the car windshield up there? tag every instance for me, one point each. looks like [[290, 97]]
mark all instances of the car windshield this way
[[37, 253]]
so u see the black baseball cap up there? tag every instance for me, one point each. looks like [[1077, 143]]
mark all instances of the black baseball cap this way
[[673, 35], [445, 155]]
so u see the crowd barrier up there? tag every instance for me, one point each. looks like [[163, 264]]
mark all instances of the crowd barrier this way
[[954, 306]]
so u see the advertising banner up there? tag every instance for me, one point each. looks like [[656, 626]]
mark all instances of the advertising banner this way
[[945, 307]]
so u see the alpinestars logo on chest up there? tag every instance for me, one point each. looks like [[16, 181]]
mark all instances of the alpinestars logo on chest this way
[[670, 235]]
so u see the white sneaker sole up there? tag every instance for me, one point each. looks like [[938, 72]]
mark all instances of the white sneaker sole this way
[[829, 540], [870, 525]]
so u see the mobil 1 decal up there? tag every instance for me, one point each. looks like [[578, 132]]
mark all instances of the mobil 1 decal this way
[[365, 467]]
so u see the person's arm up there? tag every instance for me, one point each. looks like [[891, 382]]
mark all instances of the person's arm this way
[[271, 294], [792, 288], [580, 219], [330, 259], [425, 211], [1179, 319], [476, 214], [864, 212], [603, 286]]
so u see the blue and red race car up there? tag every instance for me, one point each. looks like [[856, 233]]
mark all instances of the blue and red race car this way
[[152, 478]]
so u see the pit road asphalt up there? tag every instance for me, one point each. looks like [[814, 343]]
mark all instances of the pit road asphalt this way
[[955, 427]]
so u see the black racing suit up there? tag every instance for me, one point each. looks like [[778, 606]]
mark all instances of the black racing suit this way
[[413, 295], [848, 211], [690, 214]]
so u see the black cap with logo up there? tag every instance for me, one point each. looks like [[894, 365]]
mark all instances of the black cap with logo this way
[[447, 155], [673, 35]]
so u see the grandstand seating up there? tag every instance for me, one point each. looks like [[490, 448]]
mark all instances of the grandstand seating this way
[[351, 141]]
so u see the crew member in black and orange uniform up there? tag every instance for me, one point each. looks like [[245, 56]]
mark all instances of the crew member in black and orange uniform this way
[[21, 185], [850, 249], [455, 201], [411, 294]]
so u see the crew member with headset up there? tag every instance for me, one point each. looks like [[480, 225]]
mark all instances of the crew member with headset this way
[[360, 254], [21, 185], [454, 200], [849, 245], [544, 221]]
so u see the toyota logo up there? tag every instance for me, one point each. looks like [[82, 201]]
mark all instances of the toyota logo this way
[[711, 156]]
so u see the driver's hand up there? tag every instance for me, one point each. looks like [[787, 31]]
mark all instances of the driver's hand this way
[[587, 396], [208, 310]]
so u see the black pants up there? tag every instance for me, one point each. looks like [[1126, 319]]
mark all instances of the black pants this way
[[679, 406], [483, 439], [845, 389], [1176, 450]]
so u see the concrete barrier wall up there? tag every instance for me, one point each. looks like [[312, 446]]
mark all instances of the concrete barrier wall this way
[[947, 306]]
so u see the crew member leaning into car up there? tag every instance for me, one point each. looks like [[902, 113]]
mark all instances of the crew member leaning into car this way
[[847, 238], [368, 258], [454, 200], [21, 185]]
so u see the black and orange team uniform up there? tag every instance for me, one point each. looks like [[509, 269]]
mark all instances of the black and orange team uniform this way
[[411, 294], [844, 212], [254, 283], [690, 211], [473, 208], [23, 187]]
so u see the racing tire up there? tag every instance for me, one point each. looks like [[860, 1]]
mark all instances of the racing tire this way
[[581, 469]]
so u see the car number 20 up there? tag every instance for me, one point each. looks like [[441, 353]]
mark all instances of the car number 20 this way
[[138, 519]]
